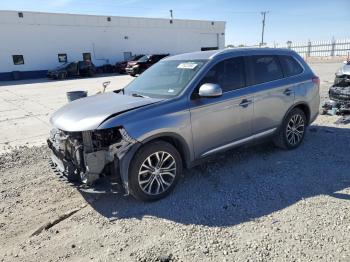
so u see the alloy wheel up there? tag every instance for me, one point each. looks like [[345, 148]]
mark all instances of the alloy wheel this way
[[295, 129], [157, 173]]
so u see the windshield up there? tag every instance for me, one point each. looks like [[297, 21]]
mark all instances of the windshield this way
[[165, 79], [133, 58], [143, 59]]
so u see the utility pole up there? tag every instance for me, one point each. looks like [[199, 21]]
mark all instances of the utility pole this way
[[263, 27], [171, 16]]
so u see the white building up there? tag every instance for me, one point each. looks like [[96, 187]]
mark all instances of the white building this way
[[32, 42]]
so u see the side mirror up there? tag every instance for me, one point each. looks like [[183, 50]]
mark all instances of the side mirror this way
[[210, 90]]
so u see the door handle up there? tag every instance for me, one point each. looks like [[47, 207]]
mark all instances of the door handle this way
[[245, 103], [288, 92]]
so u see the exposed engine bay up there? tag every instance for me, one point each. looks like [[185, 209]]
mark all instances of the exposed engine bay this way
[[86, 156]]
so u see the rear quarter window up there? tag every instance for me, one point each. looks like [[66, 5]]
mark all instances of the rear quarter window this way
[[290, 66], [266, 68]]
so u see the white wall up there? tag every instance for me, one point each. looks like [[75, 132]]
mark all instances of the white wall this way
[[39, 37]]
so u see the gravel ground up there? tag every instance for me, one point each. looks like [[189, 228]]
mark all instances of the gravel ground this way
[[249, 204]]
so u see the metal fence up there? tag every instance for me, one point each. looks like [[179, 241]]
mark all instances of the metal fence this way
[[339, 47]]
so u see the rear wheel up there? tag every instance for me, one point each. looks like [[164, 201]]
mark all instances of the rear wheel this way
[[292, 130], [154, 172]]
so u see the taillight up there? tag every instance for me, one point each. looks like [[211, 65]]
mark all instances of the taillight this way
[[316, 80]]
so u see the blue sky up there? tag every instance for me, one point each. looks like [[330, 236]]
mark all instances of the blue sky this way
[[296, 20]]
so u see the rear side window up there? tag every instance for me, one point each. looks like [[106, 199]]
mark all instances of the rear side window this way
[[229, 74], [290, 66], [266, 68]]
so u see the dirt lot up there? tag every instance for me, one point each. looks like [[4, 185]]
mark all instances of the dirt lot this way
[[248, 204]]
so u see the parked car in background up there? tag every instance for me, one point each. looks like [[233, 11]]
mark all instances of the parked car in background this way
[[120, 66], [105, 69], [134, 68], [182, 110], [72, 69]]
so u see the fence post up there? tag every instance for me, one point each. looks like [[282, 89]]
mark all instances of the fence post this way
[[308, 54], [333, 47]]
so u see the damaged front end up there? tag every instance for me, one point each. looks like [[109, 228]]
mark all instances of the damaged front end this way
[[88, 155], [339, 94]]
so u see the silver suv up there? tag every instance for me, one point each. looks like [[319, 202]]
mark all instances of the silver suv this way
[[182, 110]]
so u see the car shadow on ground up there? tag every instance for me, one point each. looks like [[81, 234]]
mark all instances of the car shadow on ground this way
[[245, 184]]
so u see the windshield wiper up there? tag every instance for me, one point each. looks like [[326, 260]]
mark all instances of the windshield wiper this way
[[138, 95]]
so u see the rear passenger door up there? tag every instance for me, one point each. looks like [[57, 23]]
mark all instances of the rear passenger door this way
[[273, 96]]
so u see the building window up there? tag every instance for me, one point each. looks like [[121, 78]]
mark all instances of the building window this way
[[209, 48], [87, 56], [62, 58], [18, 59], [20, 15], [109, 19]]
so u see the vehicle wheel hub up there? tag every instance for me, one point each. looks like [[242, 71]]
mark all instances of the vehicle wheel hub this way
[[295, 130], [157, 173]]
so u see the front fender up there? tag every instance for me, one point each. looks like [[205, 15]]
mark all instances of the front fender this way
[[168, 118], [176, 126]]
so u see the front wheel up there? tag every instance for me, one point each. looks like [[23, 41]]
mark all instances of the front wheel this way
[[292, 130], [154, 171]]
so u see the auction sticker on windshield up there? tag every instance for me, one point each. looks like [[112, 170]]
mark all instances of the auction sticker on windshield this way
[[188, 65]]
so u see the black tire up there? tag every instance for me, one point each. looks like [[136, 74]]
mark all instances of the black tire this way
[[283, 138], [62, 76], [148, 151], [133, 75]]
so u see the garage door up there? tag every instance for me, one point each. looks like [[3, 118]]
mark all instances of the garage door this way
[[209, 42]]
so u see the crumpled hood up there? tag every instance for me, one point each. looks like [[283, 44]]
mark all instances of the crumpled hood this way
[[88, 113], [344, 70]]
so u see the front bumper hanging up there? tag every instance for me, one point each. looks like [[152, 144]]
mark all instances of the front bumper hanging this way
[[80, 158]]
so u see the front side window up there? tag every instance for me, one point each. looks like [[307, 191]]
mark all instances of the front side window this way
[[265, 68], [62, 58], [290, 66], [18, 59], [229, 74], [165, 79]]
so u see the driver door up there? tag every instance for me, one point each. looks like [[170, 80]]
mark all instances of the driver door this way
[[219, 122]]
